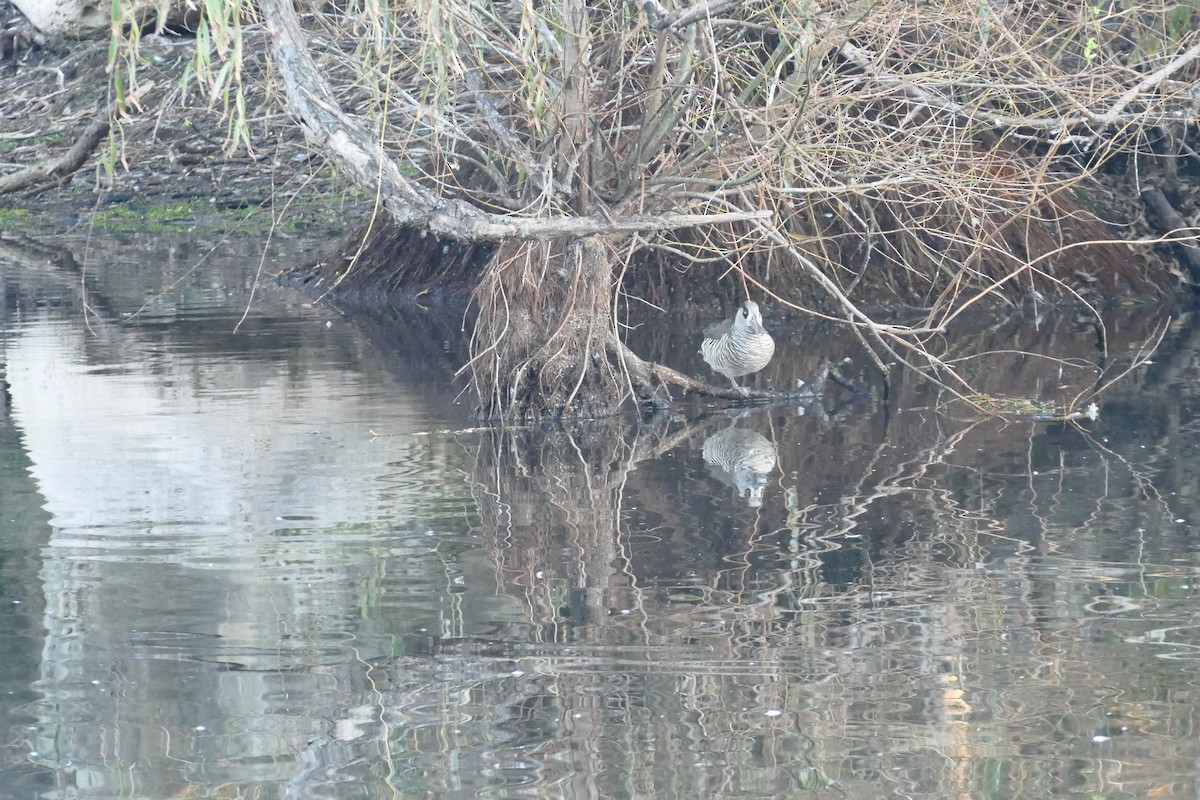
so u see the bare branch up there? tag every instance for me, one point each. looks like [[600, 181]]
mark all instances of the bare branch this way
[[867, 61], [499, 125], [65, 164], [410, 204], [696, 13], [1174, 226]]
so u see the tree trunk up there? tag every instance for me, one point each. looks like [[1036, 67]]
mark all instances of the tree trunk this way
[[540, 344], [88, 19]]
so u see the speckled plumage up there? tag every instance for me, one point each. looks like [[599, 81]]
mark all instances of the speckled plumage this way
[[738, 346], [746, 458]]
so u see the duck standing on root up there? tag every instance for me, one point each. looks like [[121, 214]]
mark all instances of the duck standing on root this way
[[738, 346]]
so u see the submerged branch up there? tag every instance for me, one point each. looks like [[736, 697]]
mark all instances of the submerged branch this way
[[648, 378]]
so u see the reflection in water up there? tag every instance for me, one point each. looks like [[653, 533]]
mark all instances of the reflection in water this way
[[744, 459], [257, 565]]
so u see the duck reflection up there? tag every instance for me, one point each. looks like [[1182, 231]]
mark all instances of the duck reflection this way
[[745, 459]]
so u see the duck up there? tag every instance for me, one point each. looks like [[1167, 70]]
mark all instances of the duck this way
[[745, 459], [738, 346]]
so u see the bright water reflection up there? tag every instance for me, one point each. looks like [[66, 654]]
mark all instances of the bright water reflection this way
[[254, 564]]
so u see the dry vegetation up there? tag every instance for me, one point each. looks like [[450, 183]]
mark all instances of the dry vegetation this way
[[938, 152], [826, 156]]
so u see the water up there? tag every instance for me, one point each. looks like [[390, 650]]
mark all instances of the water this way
[[273, 560]]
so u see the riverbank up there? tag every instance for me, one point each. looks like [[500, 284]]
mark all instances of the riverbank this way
[[169, 161]]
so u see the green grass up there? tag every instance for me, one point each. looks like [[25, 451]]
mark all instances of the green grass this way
[[13, 217], [10, 143], [170, 216]]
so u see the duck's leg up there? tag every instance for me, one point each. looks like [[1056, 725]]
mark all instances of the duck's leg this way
[[742, 390]]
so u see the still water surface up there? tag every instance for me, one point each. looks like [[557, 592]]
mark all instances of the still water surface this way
[[273, 561]]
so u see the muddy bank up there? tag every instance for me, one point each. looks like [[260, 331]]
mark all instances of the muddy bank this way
[[168, 163]]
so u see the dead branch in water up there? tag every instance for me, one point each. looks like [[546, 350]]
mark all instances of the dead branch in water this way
[[648, 381]]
